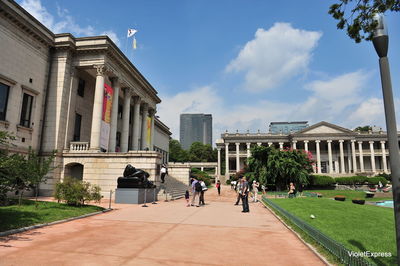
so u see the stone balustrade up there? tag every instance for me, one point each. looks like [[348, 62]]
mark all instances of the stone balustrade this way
[[77, 146]]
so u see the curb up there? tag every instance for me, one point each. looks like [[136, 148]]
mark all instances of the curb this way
[[314, 250], [28, 228]]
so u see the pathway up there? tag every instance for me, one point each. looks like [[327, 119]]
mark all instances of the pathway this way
[[168, 233]]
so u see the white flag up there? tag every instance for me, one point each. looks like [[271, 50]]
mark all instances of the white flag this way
[[131, 32]]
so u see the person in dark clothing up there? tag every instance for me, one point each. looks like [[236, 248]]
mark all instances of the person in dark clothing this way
[[218, 186], [238, 188], [245, 195]]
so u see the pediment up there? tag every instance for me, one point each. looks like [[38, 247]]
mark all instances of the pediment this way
[[325, 128]]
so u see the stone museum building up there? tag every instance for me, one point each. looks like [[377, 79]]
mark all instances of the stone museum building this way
[[79, 96], [336, 151]]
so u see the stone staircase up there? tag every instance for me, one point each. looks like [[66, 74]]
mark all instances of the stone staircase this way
[[172, 189]]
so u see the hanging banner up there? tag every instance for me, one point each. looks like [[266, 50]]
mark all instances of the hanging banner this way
[[106, 117], [148, 137]]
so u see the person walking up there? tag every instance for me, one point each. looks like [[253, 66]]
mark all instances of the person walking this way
[[238, 188], [203, 189], [196, 189], [245, 195], [163, 173], [255, 190], [218, 186]]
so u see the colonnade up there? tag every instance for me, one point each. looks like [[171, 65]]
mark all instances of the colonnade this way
[[352, 163], [138, 104]]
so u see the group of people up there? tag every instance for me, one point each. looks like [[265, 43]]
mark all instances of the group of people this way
[[242, 188], [198, 188]]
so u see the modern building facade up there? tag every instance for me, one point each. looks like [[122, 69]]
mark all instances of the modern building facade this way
[[335, 150], [79, 96], [287, 127], [195, 128]]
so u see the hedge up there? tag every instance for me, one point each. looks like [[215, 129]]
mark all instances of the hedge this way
[[375, 180], [321, 180], [351, 180]]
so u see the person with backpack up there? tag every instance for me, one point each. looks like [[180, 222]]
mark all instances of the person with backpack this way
[[203, 189], [196, 190]]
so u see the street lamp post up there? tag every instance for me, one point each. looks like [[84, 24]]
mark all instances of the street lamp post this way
[[381, 41]]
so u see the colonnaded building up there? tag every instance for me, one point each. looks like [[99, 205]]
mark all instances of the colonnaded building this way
[[337, 151], [79, 96]]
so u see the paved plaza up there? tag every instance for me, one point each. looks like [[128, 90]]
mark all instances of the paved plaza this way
[[168, 233]]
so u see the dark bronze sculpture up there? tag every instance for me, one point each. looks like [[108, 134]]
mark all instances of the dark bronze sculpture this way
[[134, 178]]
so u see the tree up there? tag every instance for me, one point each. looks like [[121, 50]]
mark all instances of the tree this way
[[257, 164], [200, 152], [176, 153], [38, 167], [357, 16], [363, 129]]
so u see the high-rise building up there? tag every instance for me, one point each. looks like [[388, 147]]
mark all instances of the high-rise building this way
[[195, 128]]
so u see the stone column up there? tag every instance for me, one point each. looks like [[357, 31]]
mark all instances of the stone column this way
[[318, 156], [97, 108], [71, 112], [371, 147], [270, 144], [114, 116], [227, 161], [306, 145], [353, 154], [125, 120], [248, 150], [349, 156], [136, 123], [281, 145], [144, 126], [384, 157], [237, 157], [152, 113], [361, 156], [330, 156], [202, 168], [294, 146], [219, 164], [342, 170]]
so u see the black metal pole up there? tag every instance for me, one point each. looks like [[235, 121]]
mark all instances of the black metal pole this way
[[393, 143]]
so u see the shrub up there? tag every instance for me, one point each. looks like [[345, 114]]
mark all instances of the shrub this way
[[75, 192], [375, 180], [352, 180], [228, 182], [388, 177], [321, 180], [201, 176]]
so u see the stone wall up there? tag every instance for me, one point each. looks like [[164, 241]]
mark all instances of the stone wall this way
[[180, 171], [103, 169]]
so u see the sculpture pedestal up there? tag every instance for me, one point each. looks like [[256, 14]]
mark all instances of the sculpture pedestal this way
[[135, 195]]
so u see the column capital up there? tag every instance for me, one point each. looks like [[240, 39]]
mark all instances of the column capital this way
[[359, 142], [329, 141], [115, 81], [227, 145], [382, 141], [145, 106], [248, 143], [127, 92], [353, 140], [306, 141], [152, 112], [100, 70], [237, 143], [371, 142], [218, 149], [317, 141], [341, 140], [294, 141], [136, 99], [281, 143], [270, 143]]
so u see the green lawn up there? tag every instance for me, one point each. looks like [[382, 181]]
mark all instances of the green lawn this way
[[14, 216], [357, 227]]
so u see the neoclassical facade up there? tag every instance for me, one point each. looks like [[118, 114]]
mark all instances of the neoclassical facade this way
[[336, 151], [79, 96]]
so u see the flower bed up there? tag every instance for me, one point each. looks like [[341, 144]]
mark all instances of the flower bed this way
[[340, 198], [358, 201]]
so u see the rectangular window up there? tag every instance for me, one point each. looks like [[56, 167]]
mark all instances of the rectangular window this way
[[4, 90], [26, 110], [81, 87], [77, 128], [120, 111]]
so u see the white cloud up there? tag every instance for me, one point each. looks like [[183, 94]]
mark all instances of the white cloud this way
[[64, 21], [275, 56]]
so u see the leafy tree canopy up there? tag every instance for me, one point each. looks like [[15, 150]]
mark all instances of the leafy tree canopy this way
[[363, 129], [198, 152], [357, 16]]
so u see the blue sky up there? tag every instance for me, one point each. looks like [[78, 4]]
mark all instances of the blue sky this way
[[246, 62]]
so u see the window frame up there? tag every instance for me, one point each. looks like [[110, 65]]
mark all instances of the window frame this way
[[7, 99], [21, 120]]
